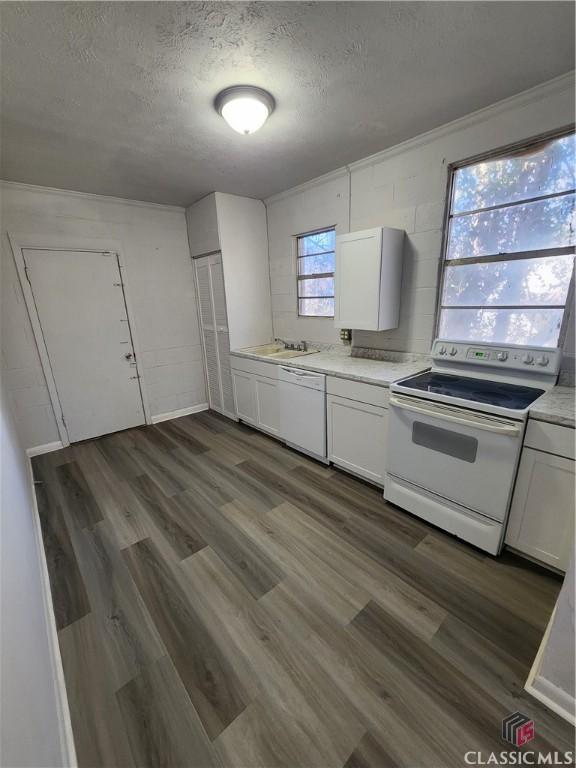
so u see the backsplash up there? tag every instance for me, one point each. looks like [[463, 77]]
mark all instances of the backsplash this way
[[369, 353], [566, 377], [366, 353]]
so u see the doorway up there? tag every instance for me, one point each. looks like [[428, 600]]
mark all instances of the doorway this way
[[80, 303]]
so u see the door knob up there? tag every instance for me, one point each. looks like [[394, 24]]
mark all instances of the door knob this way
[[128, 355]]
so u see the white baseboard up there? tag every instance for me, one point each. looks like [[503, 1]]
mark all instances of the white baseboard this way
[[65, 723], [552, 697], [182, 412], [547, 693], [37, 450]]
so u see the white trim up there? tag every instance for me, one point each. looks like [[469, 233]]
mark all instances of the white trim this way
[[68, 749], [562, 83], [89, 196], [555, 698], [19, 242], [181, 412], [38, 450], [552, 696]]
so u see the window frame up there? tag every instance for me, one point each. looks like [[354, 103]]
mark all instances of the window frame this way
[[446, 262], [315, 275]]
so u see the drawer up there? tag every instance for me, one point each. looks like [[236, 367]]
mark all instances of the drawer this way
[[358, 390], [257, 367], [551, 438]]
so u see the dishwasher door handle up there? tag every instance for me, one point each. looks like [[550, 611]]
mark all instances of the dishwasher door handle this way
[[303, 374]]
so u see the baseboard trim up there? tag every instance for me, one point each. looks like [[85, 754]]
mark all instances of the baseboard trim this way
[[177, 414], [38, 450], [65, 722], [553, 698]]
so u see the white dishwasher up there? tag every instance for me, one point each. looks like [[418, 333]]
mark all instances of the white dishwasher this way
[[303, 410]]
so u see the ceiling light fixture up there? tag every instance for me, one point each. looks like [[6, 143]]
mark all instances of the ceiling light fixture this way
[[244, 107]]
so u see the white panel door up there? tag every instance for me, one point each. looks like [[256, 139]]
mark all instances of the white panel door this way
[[541, 520], [80, 303], [357, 437], [357, 280], [212, 300]]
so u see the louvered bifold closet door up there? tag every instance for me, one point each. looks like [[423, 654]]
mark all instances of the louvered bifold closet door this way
[[223, 338], [212, 300], [204, 282]]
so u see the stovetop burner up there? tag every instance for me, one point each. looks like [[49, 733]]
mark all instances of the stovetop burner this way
[[513, 396]]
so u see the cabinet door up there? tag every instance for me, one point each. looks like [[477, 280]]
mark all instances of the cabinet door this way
[[357, 437], [245, 396], [542, 515], [357, 280], [267, 415]]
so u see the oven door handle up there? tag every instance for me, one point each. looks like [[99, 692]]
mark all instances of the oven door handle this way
[[478, 422]]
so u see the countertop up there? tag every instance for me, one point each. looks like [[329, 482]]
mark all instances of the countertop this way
[[555, 407], [344, 366]]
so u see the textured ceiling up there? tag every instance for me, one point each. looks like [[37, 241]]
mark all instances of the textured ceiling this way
[[116, 98]]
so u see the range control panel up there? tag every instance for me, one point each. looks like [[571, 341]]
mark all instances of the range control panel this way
[[508, 357]]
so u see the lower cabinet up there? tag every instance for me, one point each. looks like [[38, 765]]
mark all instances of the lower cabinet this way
[[357, 415], [267, 406], [357, 437], [256, 399], [541, 523], [244, 395]]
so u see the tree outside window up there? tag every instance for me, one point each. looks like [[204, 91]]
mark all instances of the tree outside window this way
[[315, 273], [510, 247]]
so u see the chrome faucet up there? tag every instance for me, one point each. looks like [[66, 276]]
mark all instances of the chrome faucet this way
[[302, 346]]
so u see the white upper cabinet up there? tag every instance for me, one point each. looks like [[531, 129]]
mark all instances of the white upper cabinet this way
[[368, 279], [202, 223]]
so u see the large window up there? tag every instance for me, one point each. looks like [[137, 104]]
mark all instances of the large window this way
[[316, 273], [510, 246]]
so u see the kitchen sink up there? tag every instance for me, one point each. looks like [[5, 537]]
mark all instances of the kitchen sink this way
[[277, 351]]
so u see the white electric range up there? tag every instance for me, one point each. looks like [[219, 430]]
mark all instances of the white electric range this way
[[455, 434]]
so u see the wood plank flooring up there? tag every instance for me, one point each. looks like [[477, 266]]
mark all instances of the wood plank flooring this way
[[224, 601]]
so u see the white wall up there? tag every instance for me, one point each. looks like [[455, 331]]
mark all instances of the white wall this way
[[243, 240], [31, 732], [555, 676], [160, 282], [323, 204], [404, 187]]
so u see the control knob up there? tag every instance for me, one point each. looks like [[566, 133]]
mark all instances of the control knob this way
[[502, 356], [543, 360], [528, 360], [442, 350], [453, 351]]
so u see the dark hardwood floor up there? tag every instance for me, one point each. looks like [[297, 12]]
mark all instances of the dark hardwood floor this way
[[224, 601]]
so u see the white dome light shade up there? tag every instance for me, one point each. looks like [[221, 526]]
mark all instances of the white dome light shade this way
[[244, 107]]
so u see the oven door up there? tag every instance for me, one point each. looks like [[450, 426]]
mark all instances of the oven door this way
[[461, 455]]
